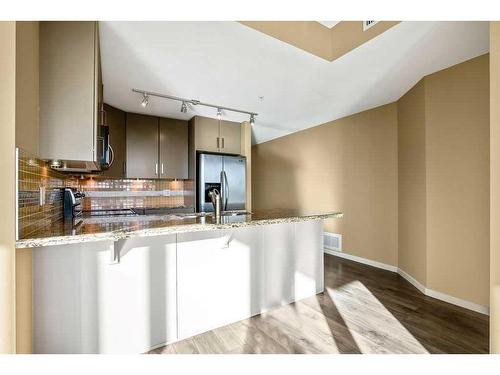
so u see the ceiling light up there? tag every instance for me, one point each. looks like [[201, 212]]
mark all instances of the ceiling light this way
[[252, 119], [185, 101], [145, 100]]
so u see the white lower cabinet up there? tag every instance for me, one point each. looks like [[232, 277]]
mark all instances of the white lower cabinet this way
[[59, 301], [308, 259], [279, 264], [168, 288], [227, 276], [137, 302], [84, 304], [219, 278], [293, 262]]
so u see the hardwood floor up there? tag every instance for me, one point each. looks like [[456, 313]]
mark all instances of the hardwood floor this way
[[362, 310]]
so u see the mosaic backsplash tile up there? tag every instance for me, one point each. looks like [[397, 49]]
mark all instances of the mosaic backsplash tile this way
[[108, 194], [37, 179], [39, 194]]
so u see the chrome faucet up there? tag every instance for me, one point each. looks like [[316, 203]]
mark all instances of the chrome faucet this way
[[216, 202]]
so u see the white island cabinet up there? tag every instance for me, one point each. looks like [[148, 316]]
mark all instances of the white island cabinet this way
[[85, 303], [220, 278], [227, 276], [166, 288]]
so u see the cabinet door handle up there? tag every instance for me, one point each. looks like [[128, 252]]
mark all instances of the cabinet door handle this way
[[156, 169], [222, 142], [161, 168], [218, 142]]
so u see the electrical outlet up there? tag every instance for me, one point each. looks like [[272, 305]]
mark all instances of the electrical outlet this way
[[42, 195]]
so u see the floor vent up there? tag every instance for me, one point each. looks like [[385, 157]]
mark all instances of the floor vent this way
[[368, 24], [332, 241]]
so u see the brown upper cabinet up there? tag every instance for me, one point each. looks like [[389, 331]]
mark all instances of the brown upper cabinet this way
[[173, 148], [142, 146], [212, 136], [70, 92], [156, 147], [230, 134]]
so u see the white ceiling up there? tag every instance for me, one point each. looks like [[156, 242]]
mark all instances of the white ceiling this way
[[229, 64], [329, 24]]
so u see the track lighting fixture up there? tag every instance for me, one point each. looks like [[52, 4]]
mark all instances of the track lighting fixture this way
[[145, 100], [185, 102]]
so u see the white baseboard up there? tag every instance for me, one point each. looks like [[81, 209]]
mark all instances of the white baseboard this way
[[458, 301], [412, 281], [428, 292], [355, 258]]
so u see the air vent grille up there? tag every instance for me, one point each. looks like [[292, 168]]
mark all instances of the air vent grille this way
[[368, 24], [332, 241]]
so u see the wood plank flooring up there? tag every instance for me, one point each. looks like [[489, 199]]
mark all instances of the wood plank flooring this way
[[362, 310]]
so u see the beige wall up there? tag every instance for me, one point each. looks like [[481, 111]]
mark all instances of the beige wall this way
[[324, 42], [411, 177], [310, 36], [347, 165], [348, 35], [19, 119], [457, 160], [7, 185], [443, 136], [27, 86], [27, 74], [494, 187], [412, 183]]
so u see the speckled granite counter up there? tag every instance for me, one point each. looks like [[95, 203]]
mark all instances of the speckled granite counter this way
[[120, 227]]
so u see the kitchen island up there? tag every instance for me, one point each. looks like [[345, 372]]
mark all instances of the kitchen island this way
[[130, 284]]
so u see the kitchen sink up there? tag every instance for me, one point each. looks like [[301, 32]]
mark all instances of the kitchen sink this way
[[235, 213], [163, 211], [186, 213], [204, 214]]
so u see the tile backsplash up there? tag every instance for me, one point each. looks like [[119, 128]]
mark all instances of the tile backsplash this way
[[40, 194], [106, 194]]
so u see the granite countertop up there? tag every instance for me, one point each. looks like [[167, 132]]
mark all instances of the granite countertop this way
[[114, 228]]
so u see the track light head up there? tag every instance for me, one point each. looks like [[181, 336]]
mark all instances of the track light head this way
[[252, 119], [184, 107], [219, 113], [145, 100]]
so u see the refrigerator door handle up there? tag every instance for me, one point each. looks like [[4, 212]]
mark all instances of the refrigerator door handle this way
[[226, 185], [222, 189]]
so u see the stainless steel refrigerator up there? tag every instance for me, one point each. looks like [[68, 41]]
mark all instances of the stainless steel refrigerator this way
[[225, 173]]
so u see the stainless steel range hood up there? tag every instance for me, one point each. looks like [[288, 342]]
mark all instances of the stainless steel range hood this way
[[74, 166]]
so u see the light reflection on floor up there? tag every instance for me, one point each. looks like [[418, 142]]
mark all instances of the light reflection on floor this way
[[370, 322]]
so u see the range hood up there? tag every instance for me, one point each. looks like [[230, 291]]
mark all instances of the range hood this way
[[74, 166], [103, 155]]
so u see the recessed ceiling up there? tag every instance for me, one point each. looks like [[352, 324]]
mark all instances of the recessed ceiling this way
[[329, 24], [229, 64]]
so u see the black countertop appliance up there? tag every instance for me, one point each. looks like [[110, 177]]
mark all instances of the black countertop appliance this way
[[72, 205]]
